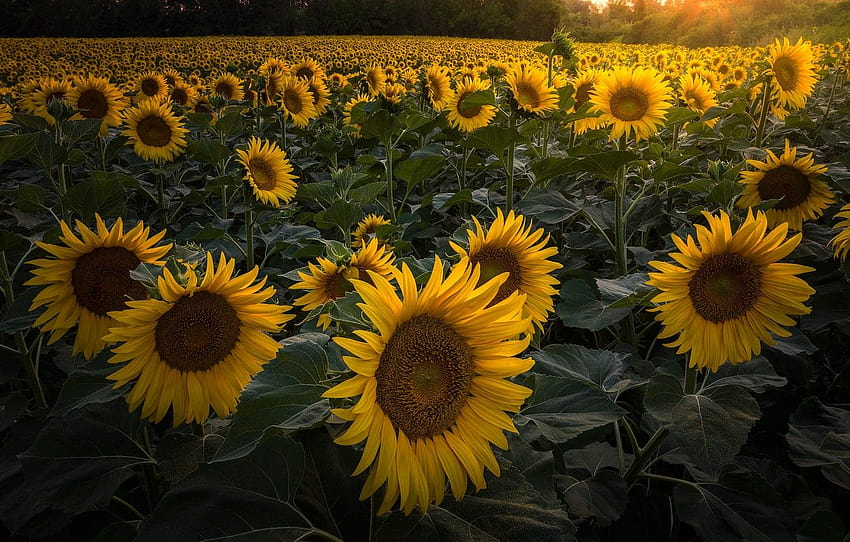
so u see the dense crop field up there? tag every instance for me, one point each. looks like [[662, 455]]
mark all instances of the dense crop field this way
[[425, 289]]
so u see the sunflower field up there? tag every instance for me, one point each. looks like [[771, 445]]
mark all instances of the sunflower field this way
[[306, 289]]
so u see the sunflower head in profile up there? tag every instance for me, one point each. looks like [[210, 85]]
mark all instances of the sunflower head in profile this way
[[583, 85], [96, 98], [307, 69], [271, 91], [346, 112], [697, 95], [328, 280], [198, 346], [48, 90], [183, 94], [320, 94], [273, 66], [793, 71], [5, 113], [267, 171], [438, 86], [794, 181], [229, 87], [366, 229], [151, 85], [89, 277], [632, 100], [432, 384], [730, 293], [510, 246], [296, 101], [468, 118], [156, 133], [338, 80], [393, 92], [840, 243], [376, 80], [171, 76], [530, 89]]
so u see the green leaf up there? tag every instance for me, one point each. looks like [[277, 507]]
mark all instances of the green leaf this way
[[46, 153], [15, 147], [663, 393], [208, 151], [711, 428], [822, 526], [230, 123], [286, 396], [547, 206], [551, 167], [625, 291], [250, 498], [368, 193], [680, 115], [345, 310], [756, 375], [819, 436], [30, 198], [78, 131], [99, 195], [493, 138], [603, 496], [602, 369], [580, 308], [323, 192], [381, 126], [415, 170], [337, 252], [561, 409], [444, 202], [670, 170], [341, 214], [477, 99], [86, 385], [604, 164]]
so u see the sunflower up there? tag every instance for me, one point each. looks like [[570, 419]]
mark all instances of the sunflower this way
[[48, 91], [183, 94], [697, 95], [267, 171], [393, 92], [584, 84], [307, 69], [296, 101], [274, 82], [5, 113], [338, 80], [96, 98], [346, 113], [510, 246], [155, 131], [376, 80], [438, 87], [793, 181], [319, 92], [530, 89], [731, 293], [366, 229], [467, 119], [432, 384], [328, 281], [273, 66], [151, 85], [197, 347], [171, 77], [841, 242], [229, 87], [793, 70], [632, 100], [89, 277]]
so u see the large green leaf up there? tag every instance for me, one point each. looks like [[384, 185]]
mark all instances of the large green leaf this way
[[415, 170], [602, 369], [580, 307], [208, 151], [663, 393], [547, 206], [756, 375], [87, 384], [100, 195], [77, 131], [15, 147], [819, 436], [561, 409], [603, 496], [604, 164], [493, 138]]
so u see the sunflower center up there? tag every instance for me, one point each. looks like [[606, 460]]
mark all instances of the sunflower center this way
[[304, 73], [59, 95], [582, 95], [154, 131], [197, 333], [263, 174], [527, 95], [725, 287], [337, 286], [694, 100], [93, 104], [785, 70], [292, 101], [467, 112], [150, 87], [786, 183], [495, 261], [628, 104], [224, 89], [179, 96], [424, 377], [101, 280]]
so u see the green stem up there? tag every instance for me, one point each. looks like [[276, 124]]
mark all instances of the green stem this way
[[765, 106], [509, 168], [675, 143], [283, 134], [388, 166], [691, 379], [828, 107], [249, 232], [224, 201], [160, 199], [642, 455], [631, 434], [128, 506], [672, 480], [621, 455], [621, 256], [151, 482]]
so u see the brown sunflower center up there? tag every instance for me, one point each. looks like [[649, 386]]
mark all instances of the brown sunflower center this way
[[725, 287], [225, 89], [435, 90], [424, 377], [197, 333], [527, 94], [786, 73], [154, 131], [628, 104], [150, 87], [263, 174], [786, 183], [93, 104], [101, 280], [292, 101], [337, 286], [58, 95], [694, 100], [179, 96], [304, 73], [495, 261], [467, 112], [583, 94]]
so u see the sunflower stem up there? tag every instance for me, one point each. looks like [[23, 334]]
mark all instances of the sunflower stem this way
[[388, 168], [671, 479], [642, 455], [249, 231], [509, 168], [675, 143], [691, 373], [765, 106], [148, 471], [621, 454], [822, 123], [160, 199], [283, 144], [133, 510]]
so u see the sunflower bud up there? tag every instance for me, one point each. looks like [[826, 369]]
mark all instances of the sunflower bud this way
[[564, 45]]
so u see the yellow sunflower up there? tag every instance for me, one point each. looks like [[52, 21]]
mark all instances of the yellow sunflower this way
[[793, 181], [584, 84], [697, 95], [151, 85], [438, 87], [328, 281], [432, 384], [467, 119], [376, 80], [89, 277], [841, 242], [96, 98], [296, 101], [632, 100], [346, 113], [267, 171], [273, 66], [307, 69], [5, 113], [366, 229], [319, 91], [171, 76], [530, 89], [393, 92], [510, 246], [183, 94], [229, 87], [155, 131], [793, 71], [198, 346], [49, 90], [338, 80], [730, 293], [274, 83]]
